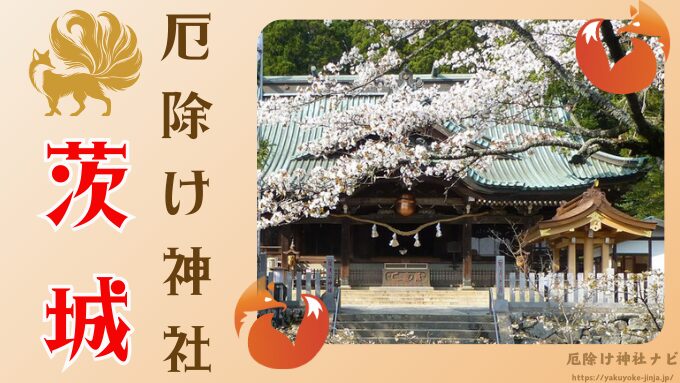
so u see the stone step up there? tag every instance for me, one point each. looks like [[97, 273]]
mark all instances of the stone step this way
[[416, 290], [410, 325], [367, 296], [379, 340], [471, 305], [418, 341], [412, 299], [385, 324], [389, 317], [424, 333], [416, 304], [415, 297], [415, 293]]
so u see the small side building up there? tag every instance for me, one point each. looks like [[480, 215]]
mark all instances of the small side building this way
[[586, 230], [643, 254]]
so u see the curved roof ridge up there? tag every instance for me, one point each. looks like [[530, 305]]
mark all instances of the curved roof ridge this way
[[547, 169]]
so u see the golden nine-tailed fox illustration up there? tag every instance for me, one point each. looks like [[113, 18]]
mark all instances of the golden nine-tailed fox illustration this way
[[98, 52]]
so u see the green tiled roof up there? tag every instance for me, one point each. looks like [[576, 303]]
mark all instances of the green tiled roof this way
[[544, 169]]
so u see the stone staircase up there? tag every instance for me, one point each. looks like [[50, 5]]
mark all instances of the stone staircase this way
[[373, 326], [394, 296]]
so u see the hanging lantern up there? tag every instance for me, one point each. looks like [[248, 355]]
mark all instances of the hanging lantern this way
[[417, 242], [374, 231], [405, 205], [394, 242], [439, 230]]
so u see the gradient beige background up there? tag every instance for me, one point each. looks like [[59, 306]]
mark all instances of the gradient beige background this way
[[34, 256]]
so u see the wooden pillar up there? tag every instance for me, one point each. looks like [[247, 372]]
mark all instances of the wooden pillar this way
[[606, 259], [555, 258], [649, 252], [284, 240], [587, 255], [571, 260], [466, 251], [346, 250]]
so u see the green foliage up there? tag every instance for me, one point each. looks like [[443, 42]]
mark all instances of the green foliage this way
[[292, 47], [263, 150], [646, 197], [461, 38]]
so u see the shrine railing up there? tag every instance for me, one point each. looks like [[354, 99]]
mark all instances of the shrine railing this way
[[444, 276], [601, 288], [492, 311], [365, 277], [311, 282]]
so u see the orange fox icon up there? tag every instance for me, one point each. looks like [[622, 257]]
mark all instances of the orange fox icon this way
[[272, 348], [647, 22], [637, 69], [98, 53]]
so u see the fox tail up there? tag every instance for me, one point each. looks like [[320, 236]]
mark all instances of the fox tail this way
[[102, 46]]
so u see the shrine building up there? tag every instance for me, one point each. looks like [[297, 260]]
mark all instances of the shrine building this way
[[453, 229]]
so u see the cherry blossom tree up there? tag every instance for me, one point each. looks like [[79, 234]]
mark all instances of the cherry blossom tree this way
[[521, 72]]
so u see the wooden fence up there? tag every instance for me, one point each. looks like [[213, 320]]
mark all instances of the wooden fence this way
[[365, 277], [607, 288]]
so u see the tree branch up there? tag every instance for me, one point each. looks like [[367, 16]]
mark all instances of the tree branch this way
[[586, 148], [604, 104], [653, 134]]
